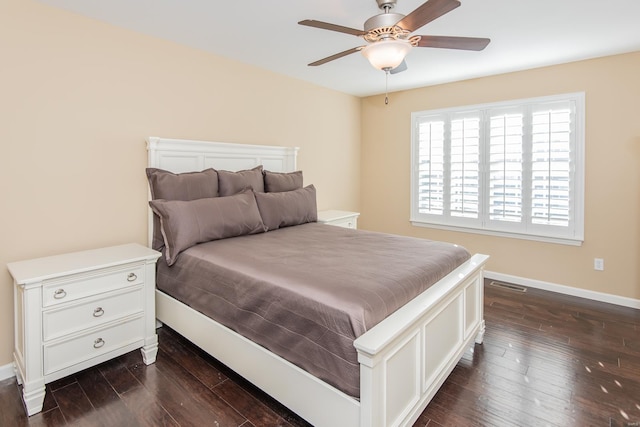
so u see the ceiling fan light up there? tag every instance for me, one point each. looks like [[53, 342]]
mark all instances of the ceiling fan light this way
[[386, 54]]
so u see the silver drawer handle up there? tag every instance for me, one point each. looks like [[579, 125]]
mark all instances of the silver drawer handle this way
[[98, 312], [59, 294], [131, 277], [98, 343]]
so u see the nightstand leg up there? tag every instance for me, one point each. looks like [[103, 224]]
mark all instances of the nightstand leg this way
[[33, 396], [150, 349]]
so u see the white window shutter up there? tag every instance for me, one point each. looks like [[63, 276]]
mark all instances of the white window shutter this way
[[511, 168], [551, 176], [464, 160], [505, 166], [431, 167]]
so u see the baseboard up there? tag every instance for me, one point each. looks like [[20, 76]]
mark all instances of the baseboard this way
[[7, 371], [562, 289]]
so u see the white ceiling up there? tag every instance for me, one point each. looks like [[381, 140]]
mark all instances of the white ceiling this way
[[524, 34]]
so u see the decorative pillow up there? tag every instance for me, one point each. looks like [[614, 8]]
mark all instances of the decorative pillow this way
[[275, 182], [230, 183], [187, 223], [288, 208], [182, 186]]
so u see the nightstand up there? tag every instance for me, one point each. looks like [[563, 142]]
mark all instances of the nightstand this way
[[344, 219], [76, 310]]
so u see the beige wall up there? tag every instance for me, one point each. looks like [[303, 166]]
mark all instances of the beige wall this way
[[612, 206], [78, 98]]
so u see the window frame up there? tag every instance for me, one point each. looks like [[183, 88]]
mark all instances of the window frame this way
[[483, 225]]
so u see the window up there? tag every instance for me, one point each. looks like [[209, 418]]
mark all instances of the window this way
[[511, 168]]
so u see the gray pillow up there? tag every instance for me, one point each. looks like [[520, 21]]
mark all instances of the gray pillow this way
[[230, 183], [282, 181], [182, 186], [179, 186], [187, 223], [288, 208]]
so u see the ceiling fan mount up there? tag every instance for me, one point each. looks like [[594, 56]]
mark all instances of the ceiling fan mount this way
[[389, 32], [386, 5]]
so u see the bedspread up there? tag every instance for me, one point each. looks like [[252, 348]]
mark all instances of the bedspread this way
[[307, 292]]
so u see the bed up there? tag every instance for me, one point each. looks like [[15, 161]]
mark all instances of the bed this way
[[400, 362]]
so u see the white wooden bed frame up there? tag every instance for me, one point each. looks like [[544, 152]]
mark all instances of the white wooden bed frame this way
[[403, 360]]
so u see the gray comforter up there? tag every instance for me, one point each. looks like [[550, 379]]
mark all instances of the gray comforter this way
[[307, 292]]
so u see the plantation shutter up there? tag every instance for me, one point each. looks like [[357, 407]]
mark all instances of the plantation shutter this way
[[551, 164], [465, 166], [431, 167], [505, 165], [511, 169]]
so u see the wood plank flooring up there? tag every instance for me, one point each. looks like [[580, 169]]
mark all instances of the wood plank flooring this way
[[547, 360]]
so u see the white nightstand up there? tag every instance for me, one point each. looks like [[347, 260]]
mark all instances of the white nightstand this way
[[76, 310], [344, 219]]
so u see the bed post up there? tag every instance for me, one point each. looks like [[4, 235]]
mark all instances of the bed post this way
[[390, 387], [480, 334]]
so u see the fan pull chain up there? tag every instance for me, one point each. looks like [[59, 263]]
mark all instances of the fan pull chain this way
[[386, 87]]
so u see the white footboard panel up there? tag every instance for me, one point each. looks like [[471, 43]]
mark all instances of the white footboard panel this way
[[405, 359]]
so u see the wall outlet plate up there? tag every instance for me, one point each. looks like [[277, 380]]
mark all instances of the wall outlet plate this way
[[598, 264]]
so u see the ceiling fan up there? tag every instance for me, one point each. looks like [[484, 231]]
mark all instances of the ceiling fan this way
[[389, 35]]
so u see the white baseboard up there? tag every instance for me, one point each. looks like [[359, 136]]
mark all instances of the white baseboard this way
[[7, 371], [562, 289]]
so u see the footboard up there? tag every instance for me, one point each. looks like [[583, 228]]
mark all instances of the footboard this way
[[405, 359]]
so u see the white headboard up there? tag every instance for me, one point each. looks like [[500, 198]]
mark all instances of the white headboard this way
[[183, 155]]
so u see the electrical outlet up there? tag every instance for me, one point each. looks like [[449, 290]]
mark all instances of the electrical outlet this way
[[598, 264]]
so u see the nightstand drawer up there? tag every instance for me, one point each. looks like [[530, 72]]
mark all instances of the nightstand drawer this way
[[336, 218], [67, 353], [67, 319], [82, 285], [346, 223]]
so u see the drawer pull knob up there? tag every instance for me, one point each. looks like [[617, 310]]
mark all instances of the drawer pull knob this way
[[131, 277], [59, 294], [98, 312], [98, 343]]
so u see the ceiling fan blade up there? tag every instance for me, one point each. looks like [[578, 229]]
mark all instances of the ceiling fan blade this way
[[451, 42], [332, 27], [400, 68], [426, 13], [336, 56]]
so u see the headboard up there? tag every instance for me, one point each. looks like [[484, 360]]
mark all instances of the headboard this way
[[183, 155]]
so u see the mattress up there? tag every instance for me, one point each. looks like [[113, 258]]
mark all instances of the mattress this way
[[307, 292]]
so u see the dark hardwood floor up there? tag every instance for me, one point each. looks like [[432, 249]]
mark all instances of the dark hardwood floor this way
[[547, 360]]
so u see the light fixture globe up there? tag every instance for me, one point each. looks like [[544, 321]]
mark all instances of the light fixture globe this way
[[386, 54]]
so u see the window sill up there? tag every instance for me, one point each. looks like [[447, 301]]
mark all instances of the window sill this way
[[537, 238]]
